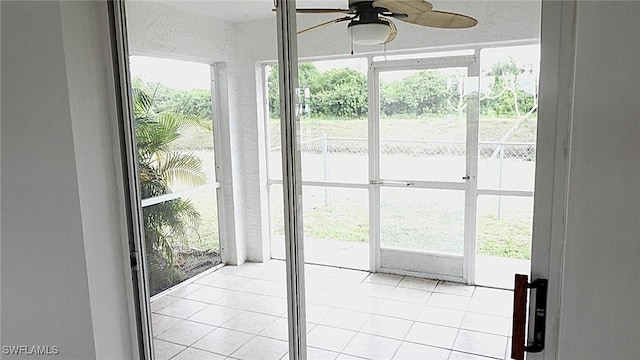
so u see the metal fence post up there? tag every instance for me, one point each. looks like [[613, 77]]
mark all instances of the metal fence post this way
[[500, 181], [325, 165]]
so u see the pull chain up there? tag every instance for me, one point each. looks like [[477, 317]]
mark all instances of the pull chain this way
[[351, 33]]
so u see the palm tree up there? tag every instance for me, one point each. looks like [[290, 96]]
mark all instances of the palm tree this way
[[168, 223]]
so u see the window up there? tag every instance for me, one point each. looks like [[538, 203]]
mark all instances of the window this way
[[174, 132]]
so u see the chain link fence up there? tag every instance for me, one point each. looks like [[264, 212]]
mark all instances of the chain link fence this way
[[507, 150], [486, 150]]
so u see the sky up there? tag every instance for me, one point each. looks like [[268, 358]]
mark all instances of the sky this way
[[529, 54], [176, 74]]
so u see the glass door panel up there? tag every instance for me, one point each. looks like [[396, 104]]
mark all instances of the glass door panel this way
[[336, 226], [423, 124], [506, 162], [334, 153], [504, 232], [426, 220], [508, 118], [333, 135]]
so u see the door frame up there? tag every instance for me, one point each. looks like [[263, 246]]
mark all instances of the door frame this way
[[135, 258], [467, 259], [139, 298], [291, 178], [556, 82], [557, 51]]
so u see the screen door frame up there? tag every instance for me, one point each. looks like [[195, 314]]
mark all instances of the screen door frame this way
[[453, 267]]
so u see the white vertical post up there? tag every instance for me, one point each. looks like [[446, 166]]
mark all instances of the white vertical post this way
[[374, 166], [223, 166], [291, 177], [471, 187]]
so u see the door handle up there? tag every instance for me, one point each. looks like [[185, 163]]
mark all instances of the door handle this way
[[392, 183], [518, 336], [466, 177]]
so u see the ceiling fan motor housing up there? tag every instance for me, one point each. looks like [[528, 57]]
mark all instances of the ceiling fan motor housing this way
[[367, 14], [367, 27]]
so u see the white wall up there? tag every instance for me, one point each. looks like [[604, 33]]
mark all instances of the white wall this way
[[63, 269], [600, 309], [91, 96]]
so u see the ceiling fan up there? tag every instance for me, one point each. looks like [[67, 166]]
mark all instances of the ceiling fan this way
[[369, 22]]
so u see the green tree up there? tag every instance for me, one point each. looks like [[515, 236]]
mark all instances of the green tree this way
[[196, 102], [162, 95], [339, 93], [507, 96], [273, 91], [159, 167], [421, 93], [307, 73]]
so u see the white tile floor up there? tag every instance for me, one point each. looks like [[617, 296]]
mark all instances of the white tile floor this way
[[491, 271], [240, 313]]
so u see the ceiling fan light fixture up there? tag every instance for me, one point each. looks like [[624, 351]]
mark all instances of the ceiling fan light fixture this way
[[369, 33]]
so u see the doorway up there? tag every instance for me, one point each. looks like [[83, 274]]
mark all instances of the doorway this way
[[427, 186], [423, 126], [174, 122]]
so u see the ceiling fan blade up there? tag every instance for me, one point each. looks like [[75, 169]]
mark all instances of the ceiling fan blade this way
[[323, 11], [326, 23], [441, 19], [393, 31], [404, 6]]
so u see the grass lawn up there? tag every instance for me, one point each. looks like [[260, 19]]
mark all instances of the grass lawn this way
[[422, 220], [432, 129], [426, 219], [413, 219], [208, 231]]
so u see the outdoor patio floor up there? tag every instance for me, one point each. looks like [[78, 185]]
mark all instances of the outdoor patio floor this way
[[239, 312]]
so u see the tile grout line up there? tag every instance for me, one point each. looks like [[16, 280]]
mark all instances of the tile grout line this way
[[370, 313]]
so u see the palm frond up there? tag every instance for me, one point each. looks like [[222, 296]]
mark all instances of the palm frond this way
[[185, 168], [168, 224], [181, 120], [188, 212], [142, 103], [154, 136]]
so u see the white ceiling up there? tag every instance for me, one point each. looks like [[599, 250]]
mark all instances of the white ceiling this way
[[245, 10]]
